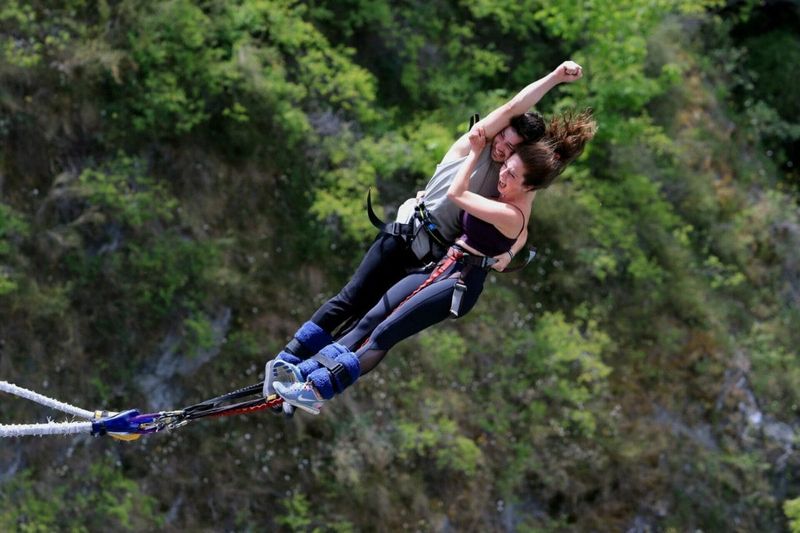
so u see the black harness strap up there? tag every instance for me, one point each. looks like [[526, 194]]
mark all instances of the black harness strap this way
[[430, 226], [334, 367], [221, 404], [392, 228], [474, 119], [407, 230], [295, 347], [476, 261]]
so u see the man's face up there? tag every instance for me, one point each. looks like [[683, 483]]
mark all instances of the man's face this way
[[504, 144]]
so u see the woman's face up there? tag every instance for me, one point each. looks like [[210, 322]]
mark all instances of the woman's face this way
[[510, 183]]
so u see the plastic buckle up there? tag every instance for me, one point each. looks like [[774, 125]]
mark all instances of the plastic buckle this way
[[459, 289], [334, 367]]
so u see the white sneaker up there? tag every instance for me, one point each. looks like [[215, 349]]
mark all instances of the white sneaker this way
[[278, 370], [302, 395]]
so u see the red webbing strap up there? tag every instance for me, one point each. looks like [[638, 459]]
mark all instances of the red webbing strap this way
[[452, 257], [264, 404]]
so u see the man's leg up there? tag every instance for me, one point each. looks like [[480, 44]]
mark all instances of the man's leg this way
[[386, 262]]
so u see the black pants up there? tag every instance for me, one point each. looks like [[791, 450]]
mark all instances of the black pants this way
[[386, 324], [387, 261]]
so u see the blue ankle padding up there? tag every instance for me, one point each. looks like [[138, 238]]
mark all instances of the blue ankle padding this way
[[333, 350], [313, 337], [322, 378], [310, 365], [289, 358], [351, 364], [307, 367]]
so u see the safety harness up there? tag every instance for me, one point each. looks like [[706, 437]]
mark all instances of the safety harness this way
[[421, 219]]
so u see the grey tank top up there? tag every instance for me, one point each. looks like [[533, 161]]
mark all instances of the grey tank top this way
[[483, 181]]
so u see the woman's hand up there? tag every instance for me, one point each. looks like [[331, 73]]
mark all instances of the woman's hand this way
[[568, 71], [501, 261], [477, 139]]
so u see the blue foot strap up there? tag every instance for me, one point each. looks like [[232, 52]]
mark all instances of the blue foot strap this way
[[332, 370]]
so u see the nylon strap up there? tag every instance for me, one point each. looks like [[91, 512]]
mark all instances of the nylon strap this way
[[294, 347], [334, 367], [475, 118], [392, 228]]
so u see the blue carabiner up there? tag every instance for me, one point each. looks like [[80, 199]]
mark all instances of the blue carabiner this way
[[119, 423]]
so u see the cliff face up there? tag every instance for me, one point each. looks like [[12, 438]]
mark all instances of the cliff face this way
[[181, 185]]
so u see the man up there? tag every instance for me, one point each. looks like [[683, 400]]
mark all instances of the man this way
[[436, 223]]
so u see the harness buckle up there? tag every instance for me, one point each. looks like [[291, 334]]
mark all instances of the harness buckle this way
[[459, 289], [336, 368]]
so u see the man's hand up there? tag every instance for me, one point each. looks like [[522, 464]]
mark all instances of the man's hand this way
[[568, 71], [420, 196], [502, 261]]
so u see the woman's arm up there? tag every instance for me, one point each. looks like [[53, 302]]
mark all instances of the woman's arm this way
[[501, 215], [505, 258]]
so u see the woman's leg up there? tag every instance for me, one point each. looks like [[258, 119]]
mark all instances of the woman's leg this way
[[386, 304], [429, 306]]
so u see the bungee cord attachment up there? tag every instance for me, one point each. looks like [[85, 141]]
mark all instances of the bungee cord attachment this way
[[131, 424]]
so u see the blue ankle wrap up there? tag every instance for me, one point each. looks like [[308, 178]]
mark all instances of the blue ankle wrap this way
[[310, 365], [289, 358], [321, 379], [350, 362], [313, 337], [324, 380]]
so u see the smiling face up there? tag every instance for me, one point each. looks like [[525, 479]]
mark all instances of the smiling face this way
[[510, 183], [504, 144]]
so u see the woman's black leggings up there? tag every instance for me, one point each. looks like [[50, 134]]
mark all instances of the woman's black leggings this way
[[386, 324]]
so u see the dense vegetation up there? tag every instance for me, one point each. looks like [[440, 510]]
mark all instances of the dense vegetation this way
[[182, 183]]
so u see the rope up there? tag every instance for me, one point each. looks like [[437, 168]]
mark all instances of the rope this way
[[51, 428], [129, 425], [10, 388]]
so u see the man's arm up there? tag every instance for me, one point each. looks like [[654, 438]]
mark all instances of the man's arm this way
[[498, 119]]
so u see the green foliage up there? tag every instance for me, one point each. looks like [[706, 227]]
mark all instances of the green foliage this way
[[102, 498], [160, 159], [165, 275], [775, 374], [199, 333], [240, 64], [177, 69], [442, 441], [444, 351], [792, 510], [12, 227], [767, 54], [297, 513], [125, 194]]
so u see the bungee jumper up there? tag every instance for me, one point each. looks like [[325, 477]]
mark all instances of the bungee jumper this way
[[471, 218], [425, 228], [491, 226], [429, 264]]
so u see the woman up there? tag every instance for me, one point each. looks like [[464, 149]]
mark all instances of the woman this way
[[491, 226]]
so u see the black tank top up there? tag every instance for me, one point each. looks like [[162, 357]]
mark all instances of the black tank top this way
[[486, 238]]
